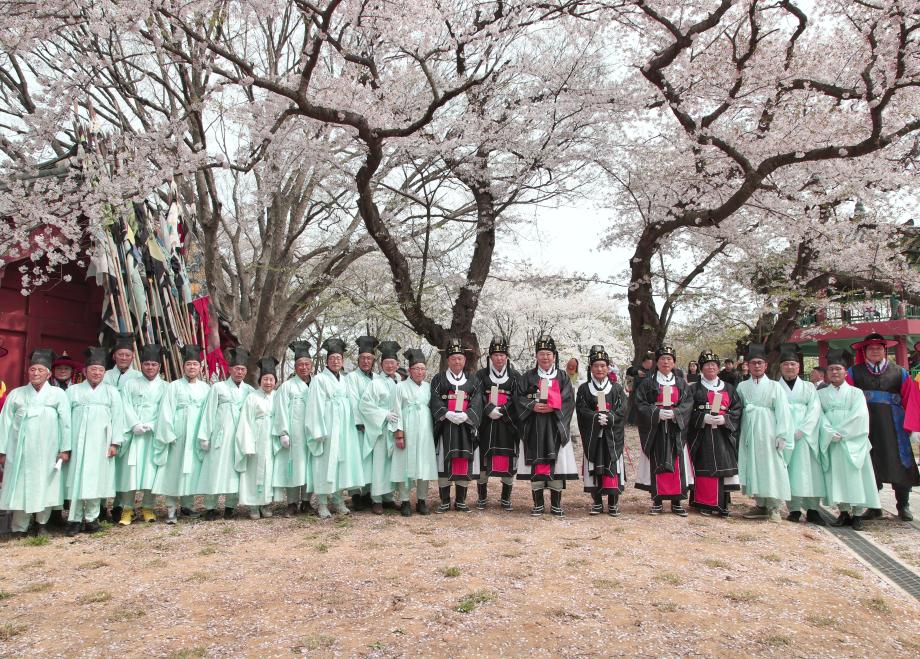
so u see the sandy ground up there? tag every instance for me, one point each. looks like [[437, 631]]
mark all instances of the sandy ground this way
[[488, 583]]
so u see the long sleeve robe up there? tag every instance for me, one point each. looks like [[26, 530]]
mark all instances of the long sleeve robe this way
[[713, 450], [356, 383], [806, 476], [499, 439], [762, 469], [417, 461], [332, 439], [603, 469], [849, 476], [118, 379], [378, 400], [457, 444], [34, 428], [292, 464], [135, 468], [217, 425], [97, 421], [547, 452], [663, 467], [254, 449], [174, 442]]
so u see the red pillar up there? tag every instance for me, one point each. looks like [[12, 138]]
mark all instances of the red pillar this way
[[822, 354], [901, 352]]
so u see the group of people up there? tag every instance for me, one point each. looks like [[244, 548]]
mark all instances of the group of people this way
[[128, 435]]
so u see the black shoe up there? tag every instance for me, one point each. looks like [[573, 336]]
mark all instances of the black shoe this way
[[41, 529], [229, 513], [705, 512], [445, 500], [377, 508], [555, 503], [814, 517], [116, 513], [538, 506], [366, 500], [872, 513], [483, 490], [17, 535], [904, 514], [656, 509], [390, 505], [678, 509], [723, 512], [210, 515], [188, 512], [857, 523], [305, 507], [57, 519], [597, 505], [421, 507], [794, 516], [357, 502], [92, 527], [405, 509], [614, 510], [73, 529], [460, 503], [291, 510], [505, 500], [843, 519]]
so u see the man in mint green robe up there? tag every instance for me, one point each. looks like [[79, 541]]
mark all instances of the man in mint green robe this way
[[332, 438], [357, 382], [176, 433], [766, 439], [97, 430], [135, 469], [35, 441], [292, 479], [380, 415], [845, 446], [255, 446], [414, 462], [216, 433], [123, 354], [806, 476]]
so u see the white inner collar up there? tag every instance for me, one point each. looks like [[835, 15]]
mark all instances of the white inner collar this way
[[550, 374], [713, 385], [498, 378], [457, 381], [665, 379], [595, 387]]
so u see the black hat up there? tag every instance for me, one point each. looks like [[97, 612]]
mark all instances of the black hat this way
[[598, 354], [267, 366], [237, 356], [545, 342], [301, 349], [152, 352], [838, 357], [756, 351], [663, 350], [454, 347], [42, 356], [707, 356], [333, 346], [414, 356], [389, 350], [498, 344], [367, 344], [95, 356], [190, 352], [788, 352], [124, 340]]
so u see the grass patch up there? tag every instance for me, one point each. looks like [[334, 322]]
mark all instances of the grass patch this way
[[746, 537], [742, 596], [717, 563], [9, 630], [669, 578], [38, 562], [312, 643], [470, 601], [189, 653], [156, 563], [666, 607], [822, 622], [565, 615], [437, 542], [512, 553], [5, 595], [321, 548], [126, 615], [849, 572], [199, 577], [771, 558], [343, 522], [776, 641], [96, 597], [571, 544], [38, 587], [37, 541], [607, 583], [877, 604], [451, 572], [94, 565], [227, 529], [207, 551]]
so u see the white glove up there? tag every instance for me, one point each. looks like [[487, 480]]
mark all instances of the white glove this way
[[285, 441], [798, 435], [139, 429], [836, 437], [495, 413], [392, 417], [780, 444], [205, 444], [720, 420], [602, 420], [666, 414], [460, 417], [709, 419]]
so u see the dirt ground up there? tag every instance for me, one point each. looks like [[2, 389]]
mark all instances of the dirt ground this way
[[488, 583]]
